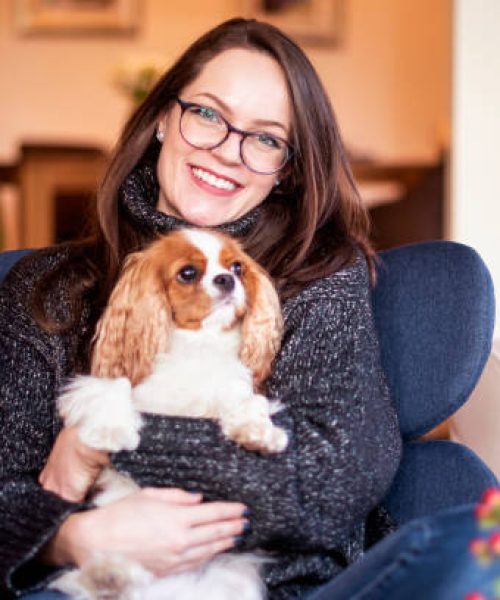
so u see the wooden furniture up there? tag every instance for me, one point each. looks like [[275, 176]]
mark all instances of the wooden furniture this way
[[49, 179], [414, 208]]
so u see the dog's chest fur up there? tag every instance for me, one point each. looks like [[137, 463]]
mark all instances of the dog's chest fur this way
[[198, 368]]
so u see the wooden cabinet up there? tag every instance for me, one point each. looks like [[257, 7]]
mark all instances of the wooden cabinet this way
[[48, 180], [414, 209], [52, 174]]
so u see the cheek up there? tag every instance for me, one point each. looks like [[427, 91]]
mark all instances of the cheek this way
[[170, 168], [259, 187], [173, 149]]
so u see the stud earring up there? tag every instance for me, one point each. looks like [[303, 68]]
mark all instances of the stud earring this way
[[160, 135], [277, 182]]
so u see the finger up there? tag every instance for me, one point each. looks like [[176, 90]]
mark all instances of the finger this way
[[206, 534], [96, 459], [173, 495], [48, 482], [210, 512], [198, 555], [65, 492]]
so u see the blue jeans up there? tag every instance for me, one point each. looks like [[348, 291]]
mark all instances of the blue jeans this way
[[426, 559]]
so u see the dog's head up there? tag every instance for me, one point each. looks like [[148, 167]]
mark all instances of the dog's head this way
[[190, 279]]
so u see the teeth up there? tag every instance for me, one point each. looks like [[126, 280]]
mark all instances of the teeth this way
[[222, 184]]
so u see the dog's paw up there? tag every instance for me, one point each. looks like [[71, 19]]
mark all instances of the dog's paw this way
[[111, 438], [260, 435], [251, 426], [103, 412], [278, 440]]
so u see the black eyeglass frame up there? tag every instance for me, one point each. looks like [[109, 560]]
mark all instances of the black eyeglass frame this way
[[231, 129]]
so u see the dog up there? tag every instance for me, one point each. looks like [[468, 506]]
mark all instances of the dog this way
[[190, 330]]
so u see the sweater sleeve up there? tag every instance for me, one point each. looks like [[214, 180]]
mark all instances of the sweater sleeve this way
[[344, 440], [29, 515]]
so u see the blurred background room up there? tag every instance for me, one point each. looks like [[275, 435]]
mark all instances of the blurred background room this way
[[415, 85]]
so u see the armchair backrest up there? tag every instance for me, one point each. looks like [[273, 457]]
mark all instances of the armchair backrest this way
[[434, 310]]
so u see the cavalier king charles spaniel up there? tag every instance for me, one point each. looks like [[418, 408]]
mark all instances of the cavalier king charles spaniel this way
[[190, 330]]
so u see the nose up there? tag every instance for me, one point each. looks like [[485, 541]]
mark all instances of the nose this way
[[224, 282], [229, 151]]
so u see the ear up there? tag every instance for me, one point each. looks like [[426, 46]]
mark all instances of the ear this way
[[262, 326], [135, 325]]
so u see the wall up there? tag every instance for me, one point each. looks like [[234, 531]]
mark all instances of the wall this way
[[389, 80], [476, 131]]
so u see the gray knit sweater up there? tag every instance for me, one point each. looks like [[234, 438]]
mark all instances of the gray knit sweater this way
[[308, 505]]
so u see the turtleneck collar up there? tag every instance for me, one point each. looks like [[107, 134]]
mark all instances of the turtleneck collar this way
[[138, 198]]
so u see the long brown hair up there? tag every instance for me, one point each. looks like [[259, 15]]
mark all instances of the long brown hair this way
[[314, 223]]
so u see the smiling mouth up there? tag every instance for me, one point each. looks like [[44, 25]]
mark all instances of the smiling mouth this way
[[219, 183]]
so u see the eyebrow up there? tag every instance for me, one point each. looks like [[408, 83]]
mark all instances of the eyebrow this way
[[227, 109]]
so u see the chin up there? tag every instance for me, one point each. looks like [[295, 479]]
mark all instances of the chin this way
[[195, 303]]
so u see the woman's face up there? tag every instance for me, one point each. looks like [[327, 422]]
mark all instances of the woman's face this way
[[210, 187]]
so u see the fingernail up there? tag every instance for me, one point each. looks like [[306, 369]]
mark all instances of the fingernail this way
[[247, 527], [246, 512], [238, 540]]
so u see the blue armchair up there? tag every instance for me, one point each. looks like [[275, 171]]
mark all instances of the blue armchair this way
[[434, 311]]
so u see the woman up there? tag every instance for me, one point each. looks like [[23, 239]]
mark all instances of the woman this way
[[238, 135]]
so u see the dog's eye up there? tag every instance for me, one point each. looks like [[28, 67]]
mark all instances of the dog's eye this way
[[236, 268], [187, 274]]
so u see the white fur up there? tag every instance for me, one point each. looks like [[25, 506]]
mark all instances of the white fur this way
[[103, 411], [211, 247], [200, 376], [226, 577]]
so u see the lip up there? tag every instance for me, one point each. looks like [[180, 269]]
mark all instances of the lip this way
[[210, 188]]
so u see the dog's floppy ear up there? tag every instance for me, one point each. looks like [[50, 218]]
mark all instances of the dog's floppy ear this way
[[136, 323], [262, 326]]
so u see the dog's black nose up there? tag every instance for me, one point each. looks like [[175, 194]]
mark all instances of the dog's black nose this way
[[224, 282]]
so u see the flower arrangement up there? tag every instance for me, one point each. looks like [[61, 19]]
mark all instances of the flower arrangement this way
[[487, 549], [136, 76]]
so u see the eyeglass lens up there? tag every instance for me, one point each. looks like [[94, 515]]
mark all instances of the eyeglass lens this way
[[204, 128]]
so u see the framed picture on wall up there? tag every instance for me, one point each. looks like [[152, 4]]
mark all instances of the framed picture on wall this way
[[76, 16], [316, 22]]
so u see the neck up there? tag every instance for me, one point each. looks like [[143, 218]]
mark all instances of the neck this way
[[139, 196]]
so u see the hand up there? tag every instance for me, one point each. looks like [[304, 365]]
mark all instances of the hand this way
[[165, 530], [72, 467]]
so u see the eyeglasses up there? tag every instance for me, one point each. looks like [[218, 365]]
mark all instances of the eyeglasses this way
[[205, 128]]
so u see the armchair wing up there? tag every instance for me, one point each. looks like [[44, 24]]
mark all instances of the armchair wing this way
[[434, 310]]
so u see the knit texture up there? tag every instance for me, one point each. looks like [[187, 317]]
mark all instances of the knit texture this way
[[308, 505]]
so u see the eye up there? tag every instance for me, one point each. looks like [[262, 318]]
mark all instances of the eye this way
[[187, 274], [206, 113], [266, 139], [236, 268]]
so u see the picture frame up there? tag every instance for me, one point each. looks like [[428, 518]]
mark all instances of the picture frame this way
[[76, 16], [310, 22]]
